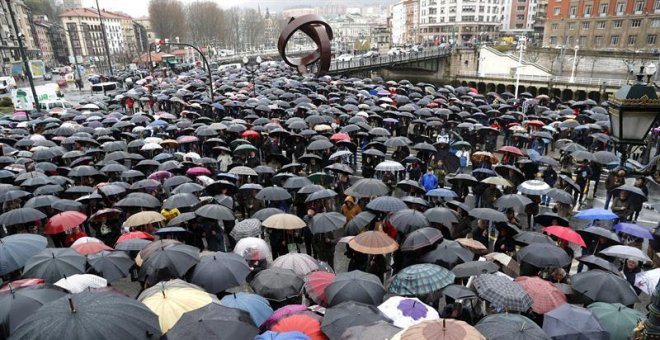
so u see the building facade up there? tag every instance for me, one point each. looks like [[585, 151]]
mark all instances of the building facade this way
[[405, 22], [461, 22], [351, 33], [632, 25], [44, 43], [519, 16], [144, 22]]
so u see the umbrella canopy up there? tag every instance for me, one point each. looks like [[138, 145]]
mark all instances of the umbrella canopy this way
[[355, 286], [315, 284], [534, 187], [21, 216], [18, 303], [348, 314], [249, 227], [633, 230], [448, 254], [52, 264], [252, 248], [529, 237], [406, 312], [375, 330], [15, 250], [604, 286], [143, 218], [78, 283], [617, 319], [220, 271], [572, 322], [284, 221], [445, 329], [565, 233], [386, 204], [542, 255], [277, 284], [473, 268], [172, 260], [421, 238], [215, 212], [255, 305], [596, 214], [111, 265], [327, 222], [502, 292], [273, 194], [214, 321], [625, 252], [301, 264], [408, 220], [368, 187], [307, 325], [510, 327], [518, 202], [488, 214], [64, 221], [373, 242], [76, 317], [420, 279], [545, 295], [441, 215]]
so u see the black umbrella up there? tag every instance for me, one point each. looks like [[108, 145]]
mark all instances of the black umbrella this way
[[19, 303], [632, 190], [112, 265], [175, 181], [463, 178], [529, 237], [569, 321], [518, 202], [214, 321], [183, 200], [296, 182], [421, 238], [543, 255], [13, 195], [273, 194], [265, 213], [359, 222], [220, 271], [596, 231], [356, 286], [53, 264], [595, 262], [510, 172], [604, 286], [320, 195], [448, 254], [16, 249], [473, 268], [368, 187], [215, 212], [139, 200], [570, 181], [561, 196], [326, 222], [277, 284], [408, 220], [348, 314], [20, 216], [550, 218], [441, 215], [488, 214], [510, 327], [77, 317], [386, 204], [67, 205], [458, 292], [172, 260]]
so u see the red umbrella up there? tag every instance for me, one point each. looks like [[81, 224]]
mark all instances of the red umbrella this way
[[565, 233], [250, 134], [301, 323], [64, 221], [134, 235], [544, 294], [339, 136], [20, 283], [89, 248], [535, 123], [510, 149], [315, 284], [198, 171]]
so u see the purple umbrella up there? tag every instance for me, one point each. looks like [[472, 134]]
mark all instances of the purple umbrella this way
[[160, 175], [634, 230], [198, 171], [283, 313]]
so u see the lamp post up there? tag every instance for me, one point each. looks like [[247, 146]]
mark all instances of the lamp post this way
[[252, 66], [105, 37], [21, 50], [576, 48], [633, 110], [521, 45]]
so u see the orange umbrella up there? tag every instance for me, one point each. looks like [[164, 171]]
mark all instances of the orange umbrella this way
[[544, 294], [301, 323], [373, 243], [445, 329]]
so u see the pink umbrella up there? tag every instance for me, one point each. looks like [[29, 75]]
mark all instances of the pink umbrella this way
[[187, 139], [282, 313], [198, 171], [160, 175], [20, 113]]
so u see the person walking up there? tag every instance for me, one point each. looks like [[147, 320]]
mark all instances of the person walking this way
[[550, 178], [614, 180], [636, 201], [429, 181]]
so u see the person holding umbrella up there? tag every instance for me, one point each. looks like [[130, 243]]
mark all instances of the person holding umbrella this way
[[549, 176], [621, 206], [480, 233], [636, 202], [583, 175], [349, 209], [614, 180], [429, 181]]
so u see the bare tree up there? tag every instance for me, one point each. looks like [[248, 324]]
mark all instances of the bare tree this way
[[232, 28], [167, 19], [205, 22], [254, 25]]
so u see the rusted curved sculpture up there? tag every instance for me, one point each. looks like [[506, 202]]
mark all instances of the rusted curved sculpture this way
[[320, 32]]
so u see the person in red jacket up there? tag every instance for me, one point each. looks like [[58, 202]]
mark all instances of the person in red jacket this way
[[76, 233]]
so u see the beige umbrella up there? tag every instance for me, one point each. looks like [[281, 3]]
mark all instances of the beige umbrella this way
[[142, 218], [472, 244], [509, 265], [497, 180], [445, 329], [284, 221], [373, 243]]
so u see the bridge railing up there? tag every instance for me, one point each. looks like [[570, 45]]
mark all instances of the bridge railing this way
[[387, 59], [554, 79]]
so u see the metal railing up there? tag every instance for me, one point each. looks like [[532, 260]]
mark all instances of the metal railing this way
[[359, 62], [554, 79]]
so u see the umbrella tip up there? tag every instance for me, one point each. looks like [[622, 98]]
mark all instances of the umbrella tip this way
[[71, 306]]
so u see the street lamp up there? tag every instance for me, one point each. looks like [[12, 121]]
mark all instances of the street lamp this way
[[633, 110], [572, 80], [521, 45], [252, 67]]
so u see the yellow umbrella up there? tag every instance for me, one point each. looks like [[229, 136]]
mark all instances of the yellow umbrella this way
[[169, 300], [284, 221], [497, 180], [142, 218], [322, 127]]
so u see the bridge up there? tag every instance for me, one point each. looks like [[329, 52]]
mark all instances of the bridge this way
[[426, 60]]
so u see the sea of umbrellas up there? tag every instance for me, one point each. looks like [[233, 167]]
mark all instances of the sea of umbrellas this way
[[204, 204]]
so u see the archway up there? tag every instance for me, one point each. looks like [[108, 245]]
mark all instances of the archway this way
[[481, 87], [533, 90], [543, 90], [490, 87], [580, 95], [500, 88], [566, 95]]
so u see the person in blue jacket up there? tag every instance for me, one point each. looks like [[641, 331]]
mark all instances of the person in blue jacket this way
[[429, 181]]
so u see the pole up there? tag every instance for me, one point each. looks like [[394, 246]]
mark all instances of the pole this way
[[206, 63], [151, 64], [23, 56], [75, 58], [521, 42], [561, 60], [105, 37], [572, 80]]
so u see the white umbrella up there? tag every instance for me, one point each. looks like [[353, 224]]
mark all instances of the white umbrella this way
[[252, 248], [534, 187], [86, 239], [151, 146], [626, 252], [406, 312], [389, 166], [646, 281], [78, 283]]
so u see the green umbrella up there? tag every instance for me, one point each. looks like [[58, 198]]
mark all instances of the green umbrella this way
[[317, 176], [616, 318], [244, 148]]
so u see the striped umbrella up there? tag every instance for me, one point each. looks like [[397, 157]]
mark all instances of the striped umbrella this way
[[420, 279], [502, 292]]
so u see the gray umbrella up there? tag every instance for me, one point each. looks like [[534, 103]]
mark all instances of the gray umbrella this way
[[473, 268], [139, 200], [168, 261], [16, 249], [77, 317], [347, 314], [569, 321], [386, 204], [317, 145], [296, 182], [543, 255], [595, 262], [529, 237], [220, 271], [631, 189], [518, 202], [273, 194], [359, 222], [67, 205], [112, 265], [132, 244], [561, 196], [368, 187], [488, 214], [458, 292], [327, 222], [441, 215], [215, 212], [502, 292], [448, 254], [53, 264], [19, 303], [20, 216], [180, 201], [510, 327], [606, 157], [214, 321], [249, 227], [277, 284], [375, 330], [265, 213], [604, 286], [408, 220], [421, 238], [355, 286], [320, 195]]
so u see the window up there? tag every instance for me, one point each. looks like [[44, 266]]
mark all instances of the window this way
[[614, 40], [582, 40], [573, 11], [587, 10], [554, 26], [520, 8], [639, 6], [636, 23], [556, 11], [651, 39], [598, 40], [553, 40], [620, 7], [571, 26], [600, 25], [585, 25], [603, 9], [655, 23], [632, 39], [617, 23], [656, 6]]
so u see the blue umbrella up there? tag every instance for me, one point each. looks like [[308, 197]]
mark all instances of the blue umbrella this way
[[159, 123], [596, 214], [634, 230], [533, 155], [218, 106], [257, 306], [162, 97], [441, 193]]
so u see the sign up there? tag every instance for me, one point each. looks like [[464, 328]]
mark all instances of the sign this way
[[38, 68], [23, 100], [71, 59]]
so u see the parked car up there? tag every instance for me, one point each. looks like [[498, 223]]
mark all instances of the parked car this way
[[396, 51], [344, 57], [371, 54], [417, 48], [54, 104]]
